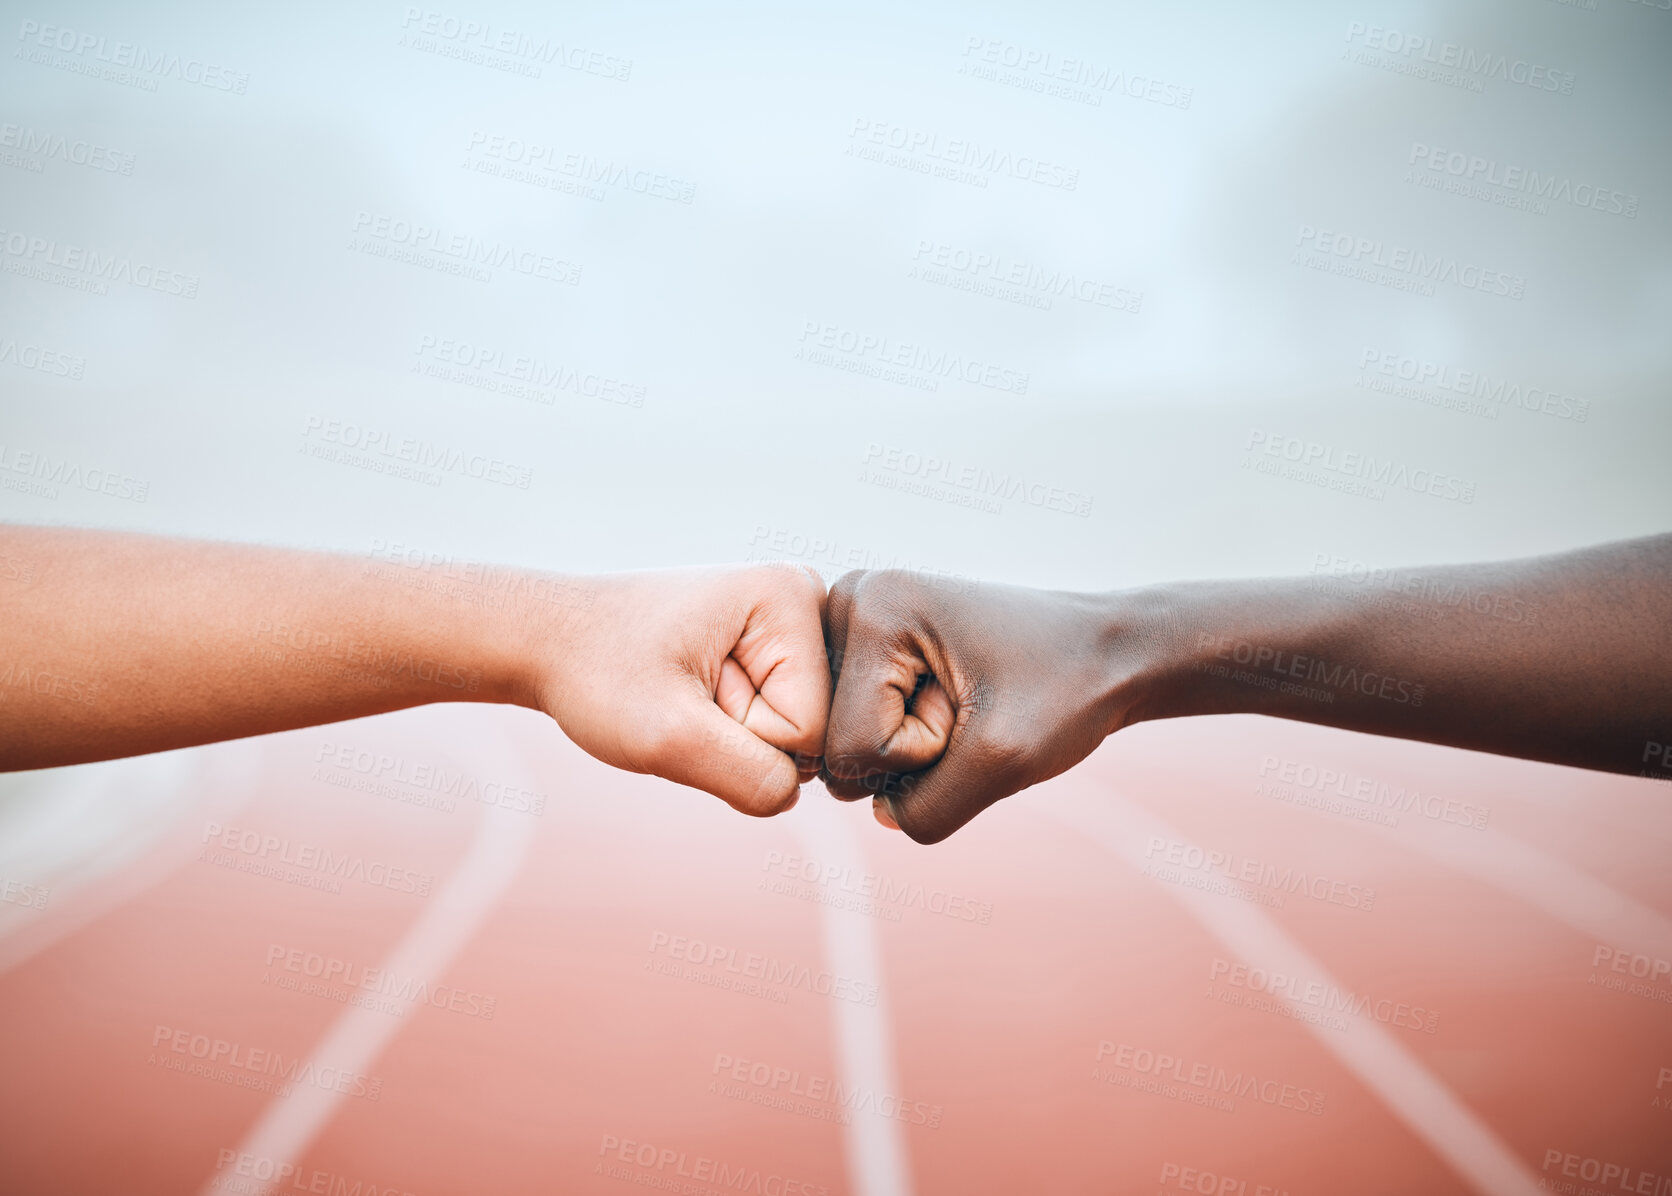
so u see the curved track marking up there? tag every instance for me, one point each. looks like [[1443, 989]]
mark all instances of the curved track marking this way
[[48, 842], [291, 1123], [1427, 1107]]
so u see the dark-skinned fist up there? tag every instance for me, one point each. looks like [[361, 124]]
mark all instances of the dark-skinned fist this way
[[951, 696]]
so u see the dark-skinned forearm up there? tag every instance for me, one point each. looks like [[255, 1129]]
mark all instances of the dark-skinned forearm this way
[[1564, 658]]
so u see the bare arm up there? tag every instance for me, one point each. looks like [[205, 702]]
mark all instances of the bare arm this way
[[947, 702], [1564, 658], [114, 644], [122, 644]]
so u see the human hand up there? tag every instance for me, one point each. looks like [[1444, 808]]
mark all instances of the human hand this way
[[948, 700], [714, 678]]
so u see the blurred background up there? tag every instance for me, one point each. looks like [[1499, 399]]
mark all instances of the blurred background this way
[[1067, 295]]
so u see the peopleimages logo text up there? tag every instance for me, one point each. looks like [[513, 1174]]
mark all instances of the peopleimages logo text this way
[[485, 36], [1489, 172], [945, 472], [911, 355], [1471, 383], [964, 152], [703, 1169], [77, 152], [1284, 663], [1026, 276], [1367, 252], [377, 442], [1362, 466], [1484, 64], [1322, 995], [1080, 72], [237, 1056], [336, 864], [854, 1099], [1207, 1076], [581, 167], [61, 471], [464, 248], [1397, 798], [1261, 873], [98, 48], [97, 264], [272, 1176], [381, 981]]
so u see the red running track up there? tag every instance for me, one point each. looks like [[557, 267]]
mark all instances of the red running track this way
[[1223, 955]]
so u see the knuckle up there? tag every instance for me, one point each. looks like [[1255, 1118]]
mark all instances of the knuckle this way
[[840, 789], [842, 593], [876, 623], [868, 619], [855, 765], [851, 745], [788, 580], [904, 587]]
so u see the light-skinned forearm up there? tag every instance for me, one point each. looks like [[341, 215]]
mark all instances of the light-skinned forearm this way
[[113, 644]]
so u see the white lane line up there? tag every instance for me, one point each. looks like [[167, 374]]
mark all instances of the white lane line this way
[[97, 836], [292, 1122], [1427, 1107], [875, 1145], [1566, 893]]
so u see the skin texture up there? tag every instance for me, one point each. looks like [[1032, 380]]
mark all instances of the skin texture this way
[[947, 701], [945, 698], [714, 678], [114, 644]]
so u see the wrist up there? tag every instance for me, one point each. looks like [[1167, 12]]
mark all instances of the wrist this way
[[1148, 662], [1256, 647], [537, 624]]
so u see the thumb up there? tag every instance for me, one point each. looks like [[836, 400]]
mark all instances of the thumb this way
[[776, 681], [705, 748]]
